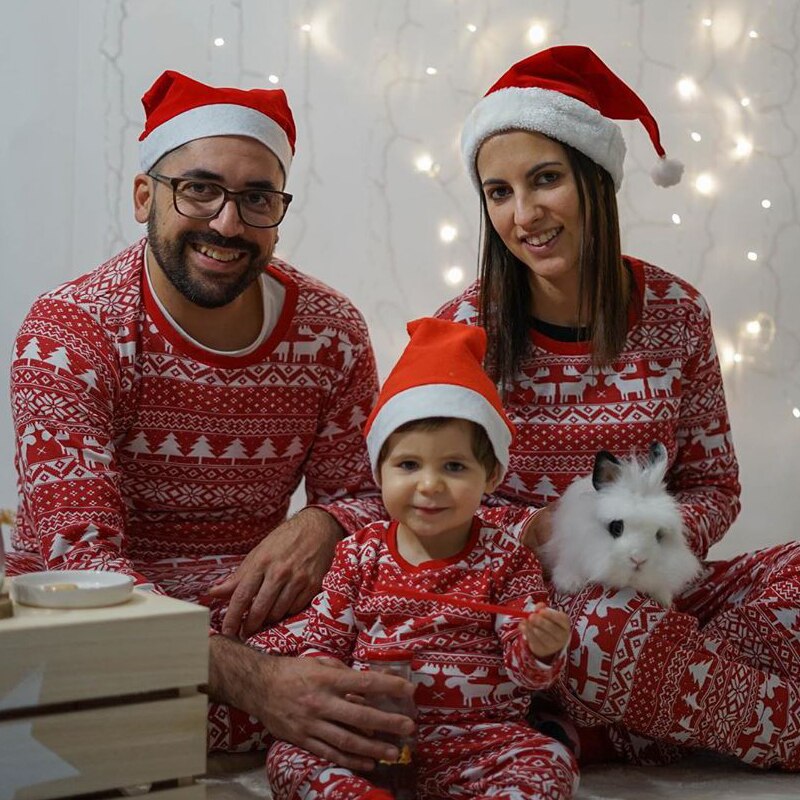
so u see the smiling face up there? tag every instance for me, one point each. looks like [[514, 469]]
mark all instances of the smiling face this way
[[533, 204], [209, 262], [432, 483]]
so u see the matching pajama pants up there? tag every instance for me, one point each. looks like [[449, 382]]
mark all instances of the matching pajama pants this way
[[492, 759], [721, 670]]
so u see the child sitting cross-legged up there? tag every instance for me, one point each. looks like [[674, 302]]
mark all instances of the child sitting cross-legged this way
[[438, 441]]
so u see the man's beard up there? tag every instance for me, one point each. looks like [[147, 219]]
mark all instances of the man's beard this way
[[209, 293]]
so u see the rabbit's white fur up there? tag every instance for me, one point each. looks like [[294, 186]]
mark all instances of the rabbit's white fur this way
[[583, 550]]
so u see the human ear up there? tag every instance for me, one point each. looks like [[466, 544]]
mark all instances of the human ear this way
[[493, 479], [143, 188]]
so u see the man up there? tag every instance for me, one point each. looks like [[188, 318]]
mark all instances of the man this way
[[168, 404]]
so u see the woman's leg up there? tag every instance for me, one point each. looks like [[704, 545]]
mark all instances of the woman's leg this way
[[753, 602], [650, 670]]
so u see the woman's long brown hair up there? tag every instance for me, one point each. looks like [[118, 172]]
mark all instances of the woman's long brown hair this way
[[603, 286]]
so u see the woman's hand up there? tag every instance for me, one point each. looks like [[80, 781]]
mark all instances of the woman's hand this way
[[540, 528]]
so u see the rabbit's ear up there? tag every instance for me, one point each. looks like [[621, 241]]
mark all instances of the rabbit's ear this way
[[657, 453], [606, 469], [657, 459]]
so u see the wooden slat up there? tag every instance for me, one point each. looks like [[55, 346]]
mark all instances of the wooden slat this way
[[58, 755], [194, 792], [62, 655]]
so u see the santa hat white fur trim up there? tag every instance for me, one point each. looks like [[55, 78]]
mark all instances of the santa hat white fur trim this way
[[554, 114], [438, 400], [221, 119]]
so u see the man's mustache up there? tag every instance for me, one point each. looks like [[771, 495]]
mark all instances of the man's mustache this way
[[215, 240]]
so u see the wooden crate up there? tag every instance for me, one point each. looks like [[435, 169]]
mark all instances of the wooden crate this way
[[92, 700]]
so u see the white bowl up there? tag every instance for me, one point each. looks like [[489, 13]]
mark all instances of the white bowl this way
[[71, 588]]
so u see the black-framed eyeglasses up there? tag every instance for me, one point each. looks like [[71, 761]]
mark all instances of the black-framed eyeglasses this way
[[199, 199]]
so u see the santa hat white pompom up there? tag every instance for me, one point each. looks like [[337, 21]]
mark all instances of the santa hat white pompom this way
[[667, 172]]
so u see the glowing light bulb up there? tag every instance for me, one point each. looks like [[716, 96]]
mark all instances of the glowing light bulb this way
[[796, 412], [707, 22], [306, 27], [431, 71], [753, 327], [454, 275], [536, 33], [448, 233], [745, 101], [753, 34], [751, 256], [704, 183], [219, 41], [737, 358], [766, 203], [696, 137], [676, 218], [744, 147], [687, 88], [727, 355], [472, 28], [423, 163], [273, 79]]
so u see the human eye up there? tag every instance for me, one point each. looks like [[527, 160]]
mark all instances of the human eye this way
[[259, 201], [199, 190], [547, 176], [497, 194], [455, 466], [407, 465]]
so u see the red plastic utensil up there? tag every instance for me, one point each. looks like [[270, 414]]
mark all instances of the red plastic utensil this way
[[476, 605]]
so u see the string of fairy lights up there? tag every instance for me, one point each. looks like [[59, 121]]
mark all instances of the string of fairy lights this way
[[754, 335]]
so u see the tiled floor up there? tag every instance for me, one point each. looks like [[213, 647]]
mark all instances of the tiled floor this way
[[697, 778]]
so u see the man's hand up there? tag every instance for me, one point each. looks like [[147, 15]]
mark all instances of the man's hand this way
[[281, 574], [306, 702]]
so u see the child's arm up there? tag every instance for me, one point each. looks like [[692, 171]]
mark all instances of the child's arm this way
[[546, 632], [535, 648]]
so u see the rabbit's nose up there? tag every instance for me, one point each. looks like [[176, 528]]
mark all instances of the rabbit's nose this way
[[637, 562]]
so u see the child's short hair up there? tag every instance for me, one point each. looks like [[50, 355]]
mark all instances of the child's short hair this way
[[481, 443]]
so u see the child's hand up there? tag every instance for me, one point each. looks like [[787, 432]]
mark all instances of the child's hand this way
[[546, 631]]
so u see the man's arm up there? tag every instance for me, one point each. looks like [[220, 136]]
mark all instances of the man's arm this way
[[308, 703], [283, 572], [64, 386]]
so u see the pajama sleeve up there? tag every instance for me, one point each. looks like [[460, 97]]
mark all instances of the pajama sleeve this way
[[65, 384], [518, 583], [338, 476], [704, 476]]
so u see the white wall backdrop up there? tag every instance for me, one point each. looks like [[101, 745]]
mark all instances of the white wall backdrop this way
[[379, 89]]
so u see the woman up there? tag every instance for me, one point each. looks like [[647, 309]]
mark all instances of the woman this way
[[595, 351]]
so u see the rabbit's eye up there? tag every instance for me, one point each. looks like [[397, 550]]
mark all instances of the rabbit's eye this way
[[660, 535], [615, 527]]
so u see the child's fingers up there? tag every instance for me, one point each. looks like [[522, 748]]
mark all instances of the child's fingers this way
[[544, 633], [557, 618]]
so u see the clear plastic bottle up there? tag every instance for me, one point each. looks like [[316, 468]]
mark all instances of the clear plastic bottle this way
[[398, 778]]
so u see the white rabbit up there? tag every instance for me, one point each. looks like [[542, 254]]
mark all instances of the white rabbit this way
[[620, 527]]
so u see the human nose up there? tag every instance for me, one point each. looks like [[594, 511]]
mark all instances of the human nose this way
[[527, 209], [429, 481], [228, 221]]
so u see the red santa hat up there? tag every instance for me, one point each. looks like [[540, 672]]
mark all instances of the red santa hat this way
[[568, 94], [440, 374], [179, 109]]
